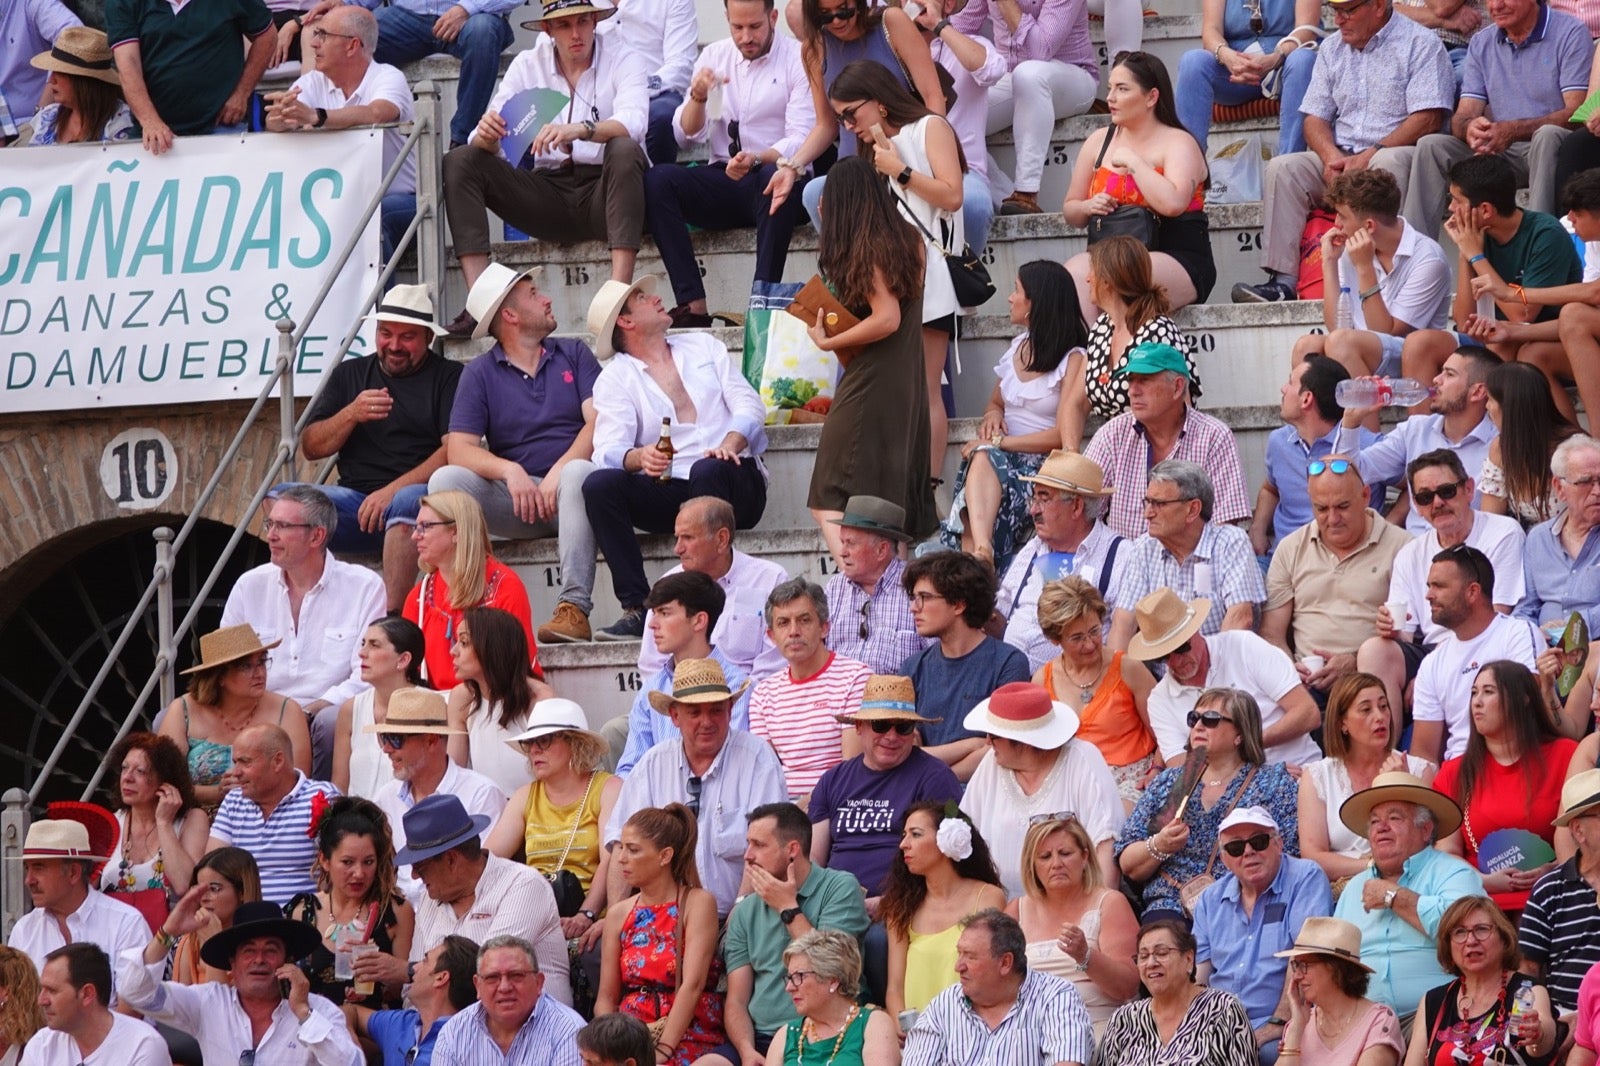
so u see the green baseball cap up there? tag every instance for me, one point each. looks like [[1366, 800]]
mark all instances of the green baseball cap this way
[[1153, 359]]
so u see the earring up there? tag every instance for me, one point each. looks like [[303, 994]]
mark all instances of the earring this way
[[834, 987]]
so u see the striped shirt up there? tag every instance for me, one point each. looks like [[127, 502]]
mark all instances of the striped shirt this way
[[1048, 1024], [1560, 931], [883, 613], [797, 717], [283, 847], [548, 1038], [1122, 450]]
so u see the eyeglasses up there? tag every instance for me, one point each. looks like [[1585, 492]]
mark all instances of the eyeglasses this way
[[1481, 933], [251, 665], [423, 527], [271, 525], [1160, 954], [866, 617], [694, 794], [793, 978], [1152, 502], [1053, 816], [392, 740], [516, 977], [1424, 497], [1348, 9], [921, 599], [848, 115], [319, 34], [539, 743], [1257, 843], [1587, 482], [1209, 719], [1338, 466], [904, 729], [838, 14]]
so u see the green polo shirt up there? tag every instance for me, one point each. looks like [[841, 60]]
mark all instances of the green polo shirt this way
[[757, 937], [192, 57]]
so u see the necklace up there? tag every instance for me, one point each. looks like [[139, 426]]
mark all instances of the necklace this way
[[338, 930], [1332, 1031], [809, 1030], [1223, 780], [126, 881], [1085, 690]]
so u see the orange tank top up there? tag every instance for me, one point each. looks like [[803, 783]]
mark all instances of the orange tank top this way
[[1109, 720], [1125, 191]]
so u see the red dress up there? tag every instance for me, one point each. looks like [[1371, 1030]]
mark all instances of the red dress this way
[[649, 965], [428, 605]]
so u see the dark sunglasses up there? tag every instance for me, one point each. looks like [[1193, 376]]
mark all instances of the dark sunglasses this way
[[1210, 719], [1424, 497], [1338, 466], [694, 795], [866, 617], [847, 115], [392, 740], [1182, 649], [842, 14], [1258, 843], [904, 729]]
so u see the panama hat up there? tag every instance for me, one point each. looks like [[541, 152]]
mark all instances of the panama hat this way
[[1579, 796], [1072, 472], [61, 838], [696, 681], [1165, 622], [407, 305], [607, 306], [224, 646], [435, 825], [1397, 786], [1334, 937], [556, 9], [1024, 712], [257, 919], [491, 290], [82, 51], [552, 716], [887, 698], [415, 710], [875, 515]]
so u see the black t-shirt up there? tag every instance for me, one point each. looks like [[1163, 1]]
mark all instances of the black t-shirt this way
[[378, 452]]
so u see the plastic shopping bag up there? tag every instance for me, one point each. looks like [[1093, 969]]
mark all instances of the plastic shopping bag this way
[[796, 379], [1236, 171]]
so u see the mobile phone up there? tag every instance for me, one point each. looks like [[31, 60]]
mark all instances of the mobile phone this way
[[913, 9], [283, 987], [878, 136]]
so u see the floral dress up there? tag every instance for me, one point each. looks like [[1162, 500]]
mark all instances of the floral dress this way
[[649, 964]]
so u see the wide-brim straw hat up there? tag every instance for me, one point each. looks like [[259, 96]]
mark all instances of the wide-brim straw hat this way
[[875, 515], [407, 305], [1397, 786], [1580, 795], [1165, 622], [1072, 472], [696, 681], [62, 838], [82, 51], [1024, 712], [552, 716], [490, 291], [555, 9], [416, 710], [255, 919], [607, 306], [223, 646], [887, 698], [1333, 937]]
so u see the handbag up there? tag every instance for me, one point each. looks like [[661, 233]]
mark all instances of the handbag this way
[[658, 1028], [1129, 220], [815, 296], [564, 884], [968, 276], [1189, 891]]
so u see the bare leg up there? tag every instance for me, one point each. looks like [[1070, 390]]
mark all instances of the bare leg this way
[[472, 265], [1551, 359], [830, 532], [1580, 328], [1423, 357], [1172, 277], [983, 504], [1307, 344], [399, 564], [622, 260], [1383, 659], [935, 344]]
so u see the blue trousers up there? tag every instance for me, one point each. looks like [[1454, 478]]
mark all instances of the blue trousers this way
[[1202, 82], [660, 144], [348, 536], [404, 37], [977, 208], [679, 197]]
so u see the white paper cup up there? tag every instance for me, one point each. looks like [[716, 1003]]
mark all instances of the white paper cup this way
[[1400, 616], [1314, 662]]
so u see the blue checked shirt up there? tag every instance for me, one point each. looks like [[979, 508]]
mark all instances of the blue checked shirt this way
[[891, 631], [1222, 568], [1048, 1024]]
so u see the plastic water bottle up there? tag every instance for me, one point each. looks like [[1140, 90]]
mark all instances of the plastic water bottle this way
[[1520, 1005], [1344, 317], [1485, 307], [1381, 392]]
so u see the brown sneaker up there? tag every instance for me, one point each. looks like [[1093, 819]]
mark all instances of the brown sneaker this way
[[567, 626], [462, 325], [1021, 203]]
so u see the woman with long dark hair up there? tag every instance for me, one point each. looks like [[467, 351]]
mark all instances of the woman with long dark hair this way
[[1022, 422], [391, 656], [83, 94], [873, 261], [490, 654], [1515, 479], [942, 873], [162, 829]]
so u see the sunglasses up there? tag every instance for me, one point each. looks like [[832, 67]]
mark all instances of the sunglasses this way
[[1338, 466], [694, 784], [1182, 649], [1425, 497], [1257, 843], [847, 115], [538, 743], [1209, 719], [866, 617], [904, 729], [1053, 816], [392, 740], [838, 14]]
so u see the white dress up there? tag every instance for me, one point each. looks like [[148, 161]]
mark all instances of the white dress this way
[[492, 755], [938, 293], [1332, 782], [370, 768]]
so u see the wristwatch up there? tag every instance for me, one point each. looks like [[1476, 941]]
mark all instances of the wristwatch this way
[[940, 26], [588, 129], [322, 118], [789, 915], [904, 177], [1388, 898], [589, 914]]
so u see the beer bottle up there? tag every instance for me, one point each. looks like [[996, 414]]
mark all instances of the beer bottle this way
[[664, 446]]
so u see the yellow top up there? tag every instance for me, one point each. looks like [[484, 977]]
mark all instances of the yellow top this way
[[547, 828], [930, 965]]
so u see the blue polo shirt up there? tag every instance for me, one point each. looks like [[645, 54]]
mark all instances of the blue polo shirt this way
[[1526, 80], [396, 1031], [529, 419], [1240, 947], [1287, 456]]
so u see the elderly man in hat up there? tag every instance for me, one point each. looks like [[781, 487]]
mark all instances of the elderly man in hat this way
[[1555, 931], [413, 736], [1068, 499], [1398, 902], [718, 772], [58, 868], [1162, 424], [266, 1013], [1250, 914], [867, 597], [582, 177], [516, 1019], [1033, 766], [521, 434], [684, 391], [75, 1000]]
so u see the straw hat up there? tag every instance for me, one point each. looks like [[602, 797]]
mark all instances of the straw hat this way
[[224, 646], [81, 51], [555, 9], [255, 919], [1579, 796], [696, 681], [60, 838], [887, 698], [407, 305], [1397, 786], [875, 515], [491, 290], [1025, 713], [1327, 936], [1165, 622], [1072, 472], [553, 716], [607, 306], [415, 710]]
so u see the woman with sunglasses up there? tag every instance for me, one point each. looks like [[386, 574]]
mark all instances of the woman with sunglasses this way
[[227, 877], [1182, 1021], [495, 696], [391, 659], [1474, 1020], [822, 974], [554, 822], [1510, 776], [1515, 478], [1331, 1022], [941, 874], [1077, 928], [1164, 853]]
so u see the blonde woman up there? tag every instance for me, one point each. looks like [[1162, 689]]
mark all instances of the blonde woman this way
[[20, 1017]]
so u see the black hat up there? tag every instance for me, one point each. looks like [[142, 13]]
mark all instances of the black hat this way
[[258, 919]]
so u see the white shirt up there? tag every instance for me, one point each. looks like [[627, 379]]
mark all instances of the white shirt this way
[[664, 34], [477, 794], [129, 1043], [1018, 598], [380, 82], [1242, 660], [612, 88], [769, 97], [213, 1015], [1080, 781], [629, 405], [1385, 459], [1443, 691], [741, 630], [1416, 292], [510, 898], [970, 116], [109, 924], [320, 658], [1498, 536]]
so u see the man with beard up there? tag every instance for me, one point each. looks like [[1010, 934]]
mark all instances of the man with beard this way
[[75, 999]]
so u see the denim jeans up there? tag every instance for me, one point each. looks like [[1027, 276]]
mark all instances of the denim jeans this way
[[348, 536], [394, 215], [1202, 82], [404, 37], [977, 208]]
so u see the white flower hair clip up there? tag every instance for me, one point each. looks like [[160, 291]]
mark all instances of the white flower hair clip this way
[[955, 838]]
